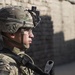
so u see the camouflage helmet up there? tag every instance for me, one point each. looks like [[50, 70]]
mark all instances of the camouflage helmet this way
[[14, 17]]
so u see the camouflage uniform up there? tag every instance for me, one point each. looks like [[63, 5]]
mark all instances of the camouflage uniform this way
[[11, 19], [8, 66], [5, 67]]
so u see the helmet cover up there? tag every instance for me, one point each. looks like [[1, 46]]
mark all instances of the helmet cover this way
[[14, 17]]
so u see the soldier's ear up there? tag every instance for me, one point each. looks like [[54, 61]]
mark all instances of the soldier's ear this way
[[12, 35]]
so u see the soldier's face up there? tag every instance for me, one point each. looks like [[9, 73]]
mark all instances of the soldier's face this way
[[27, 37]]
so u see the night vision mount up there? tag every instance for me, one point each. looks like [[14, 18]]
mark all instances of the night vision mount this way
[[35, 15]]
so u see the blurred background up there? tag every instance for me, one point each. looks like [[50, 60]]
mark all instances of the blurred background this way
[[55, 36]]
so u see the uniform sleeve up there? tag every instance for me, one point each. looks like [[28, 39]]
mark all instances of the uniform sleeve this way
[[3, 68], [7, 66]]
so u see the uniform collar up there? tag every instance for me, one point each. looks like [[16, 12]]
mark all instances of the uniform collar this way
[[17, 51], [14, 49]]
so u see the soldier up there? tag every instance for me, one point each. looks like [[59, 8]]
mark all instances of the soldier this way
[[16, 26]]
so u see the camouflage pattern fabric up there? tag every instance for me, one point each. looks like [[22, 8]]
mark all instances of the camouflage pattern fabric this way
[[8, 66], [13, 18]]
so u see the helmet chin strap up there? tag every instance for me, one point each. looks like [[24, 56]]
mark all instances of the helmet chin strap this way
[[15, 42], [23, 45]]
